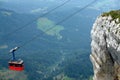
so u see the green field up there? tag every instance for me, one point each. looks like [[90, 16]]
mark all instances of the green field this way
[[49, 27]]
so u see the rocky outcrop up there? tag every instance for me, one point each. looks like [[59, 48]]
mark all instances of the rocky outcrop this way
[[105, 46]]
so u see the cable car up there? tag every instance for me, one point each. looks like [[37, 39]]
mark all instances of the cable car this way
[[16, 65]]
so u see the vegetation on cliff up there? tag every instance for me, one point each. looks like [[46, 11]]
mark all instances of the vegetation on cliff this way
[[114, 14]]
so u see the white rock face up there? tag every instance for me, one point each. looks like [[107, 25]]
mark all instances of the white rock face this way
[[105, 47]]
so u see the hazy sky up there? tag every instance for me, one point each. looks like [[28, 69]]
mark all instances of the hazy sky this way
[[100, 5], [107, 4]]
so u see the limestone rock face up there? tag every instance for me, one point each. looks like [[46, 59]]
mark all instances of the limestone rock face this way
[[105, 47]]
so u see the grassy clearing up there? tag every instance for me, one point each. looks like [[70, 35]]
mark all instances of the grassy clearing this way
[[49, 27]]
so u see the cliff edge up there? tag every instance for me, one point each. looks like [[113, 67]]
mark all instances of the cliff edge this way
[[105, 46]]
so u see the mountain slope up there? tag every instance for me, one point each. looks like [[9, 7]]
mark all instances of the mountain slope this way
[[53, 55]]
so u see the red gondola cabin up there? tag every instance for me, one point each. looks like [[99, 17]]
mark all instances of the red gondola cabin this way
[[16, 65]]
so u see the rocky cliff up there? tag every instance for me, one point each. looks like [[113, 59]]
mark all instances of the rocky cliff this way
[[105, 46]]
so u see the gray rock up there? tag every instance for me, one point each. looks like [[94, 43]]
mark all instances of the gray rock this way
[[105, 47]]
